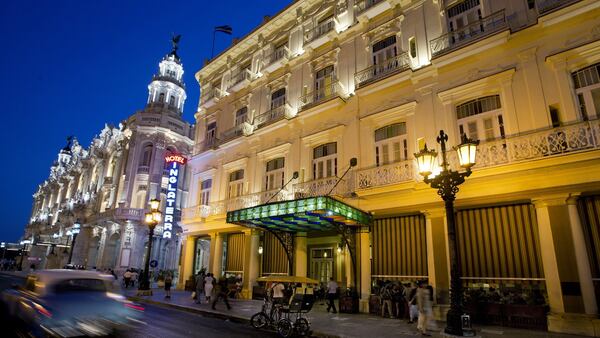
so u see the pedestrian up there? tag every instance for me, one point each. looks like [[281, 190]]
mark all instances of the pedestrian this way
[[134, 277], [209, 282], [222, 291], [277, 296], [331, 293], [168, 282], [199, 285], [127, 278], [413, 312], [424, 306], [397, 297], [386, 300]]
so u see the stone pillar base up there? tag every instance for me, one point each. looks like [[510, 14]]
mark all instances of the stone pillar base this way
[[440, 311], [363, 305], [246, 294], [144, 293], [572, 323]]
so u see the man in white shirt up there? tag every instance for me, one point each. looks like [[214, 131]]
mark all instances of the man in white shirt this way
[[277, 295], [127, 278], [331, 293]]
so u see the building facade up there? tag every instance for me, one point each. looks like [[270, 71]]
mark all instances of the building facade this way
[[106, 187], [323, 82]]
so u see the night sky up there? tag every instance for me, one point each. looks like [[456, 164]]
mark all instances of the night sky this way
[[69, 67]]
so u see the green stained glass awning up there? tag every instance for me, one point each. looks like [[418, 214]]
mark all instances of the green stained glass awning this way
[[307, 214]]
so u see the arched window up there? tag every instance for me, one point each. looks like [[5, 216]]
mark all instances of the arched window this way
[[391, 144], [325, 160], [146, 156], [236, 183], [161, 97], [205, 188], [278, 98], [241, 116], [481, 119], [172, 100], [274, 176]]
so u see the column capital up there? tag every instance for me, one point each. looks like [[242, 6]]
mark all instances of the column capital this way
[[434, 213], [555, 199]]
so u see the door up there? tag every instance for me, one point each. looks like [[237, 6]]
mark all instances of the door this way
[[325, 161], [384, 53], [321, 264], [324, 83]]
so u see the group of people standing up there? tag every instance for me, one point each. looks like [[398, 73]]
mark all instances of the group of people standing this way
[[413, 302], [130, 277], [208, 285]]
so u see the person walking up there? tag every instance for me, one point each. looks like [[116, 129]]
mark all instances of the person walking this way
[[199, 286], [413, 312], [424, 306], [134, 277], [127, 278], [222, 291], [168, 283], [386, 299], [209, 283], [332, 287]]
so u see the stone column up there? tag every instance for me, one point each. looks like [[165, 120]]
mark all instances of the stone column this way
[[364, 248], [539, 117], [251, 256], [582, 259], [216, 241], [437, 254], [565, 90], [300, 255], [187, 259]]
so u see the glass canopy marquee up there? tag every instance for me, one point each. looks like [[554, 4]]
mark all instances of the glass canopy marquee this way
[[320, 213]]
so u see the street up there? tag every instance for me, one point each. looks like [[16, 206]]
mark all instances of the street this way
[[167, 322]]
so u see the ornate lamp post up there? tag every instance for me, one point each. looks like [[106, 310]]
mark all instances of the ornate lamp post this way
[[446, 183], [23, 250], [74, 232], [152, 219]]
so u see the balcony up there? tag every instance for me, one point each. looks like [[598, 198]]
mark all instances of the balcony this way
[[125, 214], [143, 169], [321, 95], [272, 116], [321, 187], [369, 9], [239, 80], [205, 145], [386, 174], [244, 128], [276, 59], [468, 34], [546, 6], [317, 36], [211, 96], [388, 67]]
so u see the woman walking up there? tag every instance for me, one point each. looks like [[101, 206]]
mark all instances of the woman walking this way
[[209, 282], [168, 283]]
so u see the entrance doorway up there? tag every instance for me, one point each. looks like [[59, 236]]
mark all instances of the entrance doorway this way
[[321, 264], [202, 254]]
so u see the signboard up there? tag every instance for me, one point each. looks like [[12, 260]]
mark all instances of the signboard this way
[[174, 164], [153, 263]]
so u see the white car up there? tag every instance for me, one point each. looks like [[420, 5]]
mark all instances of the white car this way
[[69, 303]]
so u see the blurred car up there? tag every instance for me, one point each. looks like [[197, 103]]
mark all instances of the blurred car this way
[[71, 303]]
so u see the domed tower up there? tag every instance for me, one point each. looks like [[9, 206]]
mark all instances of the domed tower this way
[[167, 90]]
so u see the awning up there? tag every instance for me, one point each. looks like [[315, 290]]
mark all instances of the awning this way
[[320, 213]]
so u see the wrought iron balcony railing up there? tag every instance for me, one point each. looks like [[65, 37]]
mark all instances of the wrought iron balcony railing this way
[[240, 77], [398, 63], [545, 6], [386, 174], [319, 30], [322, 94], [279, 54], [364, 5], [269, 117], [476, 30], [231, 133], [322, 186]]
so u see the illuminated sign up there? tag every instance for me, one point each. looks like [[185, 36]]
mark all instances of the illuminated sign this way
[[174, 163]]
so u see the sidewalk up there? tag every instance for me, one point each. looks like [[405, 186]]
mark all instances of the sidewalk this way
[[325, 324]]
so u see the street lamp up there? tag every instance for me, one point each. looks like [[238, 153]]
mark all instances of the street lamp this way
[[74, 231], [24, 244], [446, 182], [152, 218]]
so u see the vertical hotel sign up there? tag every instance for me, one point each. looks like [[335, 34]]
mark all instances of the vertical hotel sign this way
[[174, 163]]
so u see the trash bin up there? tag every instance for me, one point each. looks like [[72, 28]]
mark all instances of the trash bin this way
[[348, 302]]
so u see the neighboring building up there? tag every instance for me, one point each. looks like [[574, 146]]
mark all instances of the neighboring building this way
[[322, 82], [106, 187]]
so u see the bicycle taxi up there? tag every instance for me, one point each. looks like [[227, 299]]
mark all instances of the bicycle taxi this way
[[288, 318]]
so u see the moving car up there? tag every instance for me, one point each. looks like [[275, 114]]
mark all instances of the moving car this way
[[68, 303]]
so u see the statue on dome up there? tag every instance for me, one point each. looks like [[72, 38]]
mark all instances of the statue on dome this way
[[175, 41]]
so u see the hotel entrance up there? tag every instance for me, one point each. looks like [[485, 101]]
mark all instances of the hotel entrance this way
[[321, 264], [201, 254]]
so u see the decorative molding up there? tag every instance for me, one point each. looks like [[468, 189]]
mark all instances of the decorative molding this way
[[390, 114], [489, 84], [237, 164], [274, 152], [323, 136]]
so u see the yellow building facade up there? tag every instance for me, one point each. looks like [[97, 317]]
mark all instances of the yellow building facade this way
[[324, 82]]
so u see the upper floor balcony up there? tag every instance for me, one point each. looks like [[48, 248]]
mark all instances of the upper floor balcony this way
[[317, 35], [239, 80], [388, 67], [276, 59], [546, 6], [211, 96], [324, 93], [272, 116], [369, 9], [131, 214], [207, 144], [468, 34], [143, 169]]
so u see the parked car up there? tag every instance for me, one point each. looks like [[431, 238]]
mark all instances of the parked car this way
[[66, 303]]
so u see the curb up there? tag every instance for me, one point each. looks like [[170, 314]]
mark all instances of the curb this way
[[218, 315]]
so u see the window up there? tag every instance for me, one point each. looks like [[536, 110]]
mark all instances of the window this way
[[530, 4], [412, 47], [587, 89], [481, 119], [324, 82], [161, 97], [211, 132], [279, 52], [384, 54], [554, 117], [205, 188], [146, 156], [462, 15], [325, 160], [236, 183], [391, 144], [241, 116], [172, 100], [275, 176], [278, 98]]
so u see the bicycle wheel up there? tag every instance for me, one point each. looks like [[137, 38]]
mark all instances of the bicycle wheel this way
[[302, 327], [285, 328], [259, 320]]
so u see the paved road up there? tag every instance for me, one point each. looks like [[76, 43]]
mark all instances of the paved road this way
[[170, 323]]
